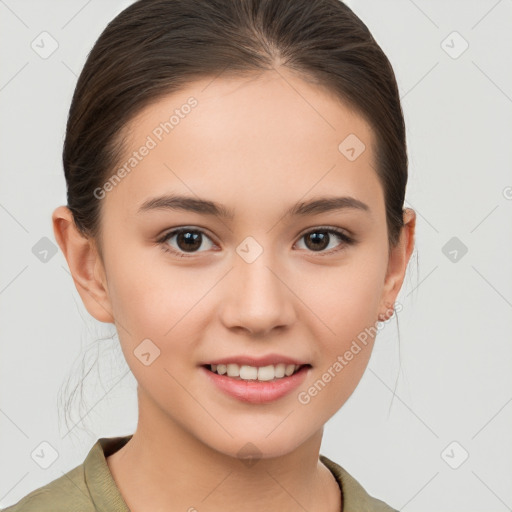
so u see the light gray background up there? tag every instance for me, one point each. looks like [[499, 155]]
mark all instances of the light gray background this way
[[454, 382]]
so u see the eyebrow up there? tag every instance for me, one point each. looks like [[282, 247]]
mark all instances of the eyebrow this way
[[206, 207]]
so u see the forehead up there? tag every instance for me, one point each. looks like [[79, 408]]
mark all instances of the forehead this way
[[237, 139]]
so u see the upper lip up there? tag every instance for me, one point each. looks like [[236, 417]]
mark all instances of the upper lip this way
[[270, 359]]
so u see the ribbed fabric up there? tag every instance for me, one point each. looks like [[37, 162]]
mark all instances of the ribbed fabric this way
[[103, 490], [355, 498], [90, 487]]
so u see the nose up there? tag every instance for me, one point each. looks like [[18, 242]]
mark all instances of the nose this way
[[257, 297]]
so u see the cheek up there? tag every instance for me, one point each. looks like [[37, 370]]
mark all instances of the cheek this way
[[344, 342], [344, 299], [156, 316], [147, 295], [345, 302], [163, 304]]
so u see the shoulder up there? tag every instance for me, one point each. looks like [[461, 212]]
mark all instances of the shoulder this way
[[66, 493], [88, 487], [355, 498]]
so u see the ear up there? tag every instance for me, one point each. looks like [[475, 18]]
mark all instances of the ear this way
[[84, 263], [397, 265]]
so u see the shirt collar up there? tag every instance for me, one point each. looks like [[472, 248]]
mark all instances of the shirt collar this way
[[355, 497], [100, 482], [107, 497]]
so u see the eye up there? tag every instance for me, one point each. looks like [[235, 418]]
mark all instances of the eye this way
[[188, 240], [320, 238]]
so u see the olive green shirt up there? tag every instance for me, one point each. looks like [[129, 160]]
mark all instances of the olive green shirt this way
[[90, 487]]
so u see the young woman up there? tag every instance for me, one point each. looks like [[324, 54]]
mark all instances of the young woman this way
[[236, 173]]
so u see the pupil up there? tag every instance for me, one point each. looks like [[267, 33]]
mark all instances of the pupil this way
[[321, 237], [193, 240]]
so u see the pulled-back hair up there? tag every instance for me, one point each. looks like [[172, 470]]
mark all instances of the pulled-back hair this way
[[156, 47]]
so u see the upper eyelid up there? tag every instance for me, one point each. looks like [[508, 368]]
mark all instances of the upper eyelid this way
[[175, 231], [326, 228], [335, 230]]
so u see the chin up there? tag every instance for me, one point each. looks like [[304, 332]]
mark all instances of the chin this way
[[255, 444]]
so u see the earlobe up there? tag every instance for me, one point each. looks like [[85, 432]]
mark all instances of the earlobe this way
[[388, 313], [84, 264], [397, 265]]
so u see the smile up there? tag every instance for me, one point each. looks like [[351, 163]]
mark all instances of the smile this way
[[256, 373], [245, 384]]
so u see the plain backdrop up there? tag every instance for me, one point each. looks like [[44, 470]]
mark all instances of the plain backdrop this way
[[429, 426]]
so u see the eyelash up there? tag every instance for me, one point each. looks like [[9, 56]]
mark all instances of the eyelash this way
[[341, 234]]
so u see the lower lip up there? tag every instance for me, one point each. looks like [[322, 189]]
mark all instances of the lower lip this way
[[258, 392]]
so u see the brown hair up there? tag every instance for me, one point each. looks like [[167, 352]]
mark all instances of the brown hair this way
[[156, 47]]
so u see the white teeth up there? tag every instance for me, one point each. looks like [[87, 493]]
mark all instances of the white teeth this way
[[263, 373], [280, 370], [248, 372], [233, 370], [290, 368]]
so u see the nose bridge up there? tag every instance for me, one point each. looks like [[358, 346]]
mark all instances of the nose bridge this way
[[259, 300]]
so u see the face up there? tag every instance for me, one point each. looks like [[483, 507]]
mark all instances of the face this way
[[303, 284]]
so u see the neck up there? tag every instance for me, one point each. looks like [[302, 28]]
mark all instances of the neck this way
[[164, 467]]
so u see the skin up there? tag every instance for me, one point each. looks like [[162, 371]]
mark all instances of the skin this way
[[256, 145]]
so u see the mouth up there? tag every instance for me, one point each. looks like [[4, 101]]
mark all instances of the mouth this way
[[256, 373]]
